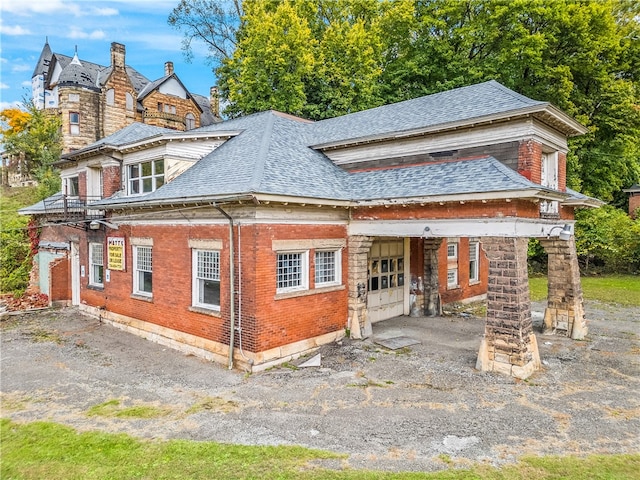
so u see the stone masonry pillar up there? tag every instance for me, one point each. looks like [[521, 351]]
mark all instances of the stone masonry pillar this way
[[565, 310], [509, 345], [432, 303], [359, 247]]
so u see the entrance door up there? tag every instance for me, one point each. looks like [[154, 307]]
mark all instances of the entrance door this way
[[386, 279], [75, 274]]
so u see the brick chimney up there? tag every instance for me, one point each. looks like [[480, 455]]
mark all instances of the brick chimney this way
[[117, 55], [168, 68], [214, 100]]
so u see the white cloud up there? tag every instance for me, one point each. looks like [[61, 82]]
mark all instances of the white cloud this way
[[26, 83], [18, 67], [13, 30], [5, 105], [104, 12], [41, 7], [4, 86], [77, 33]]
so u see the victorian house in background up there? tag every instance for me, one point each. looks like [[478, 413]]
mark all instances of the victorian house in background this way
[[94, 101]]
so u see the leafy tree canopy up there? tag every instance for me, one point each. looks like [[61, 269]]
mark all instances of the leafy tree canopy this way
[[326, 58]]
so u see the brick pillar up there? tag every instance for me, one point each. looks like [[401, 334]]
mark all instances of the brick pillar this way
[[359, 247], [509, 345], [565, 310], [432, 303]]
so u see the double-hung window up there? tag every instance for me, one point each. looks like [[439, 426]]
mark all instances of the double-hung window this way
[[72, 186], [327, 267], [292, 271], [142, 274], [96, 264], [474, 261], [145, 177], [452, 264], [206, 279]]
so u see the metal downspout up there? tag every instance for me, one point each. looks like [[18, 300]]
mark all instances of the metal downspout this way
[[232, 282]]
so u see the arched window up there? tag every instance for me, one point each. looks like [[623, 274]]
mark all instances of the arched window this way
[[129, 101], [111, 97], [190, 121]]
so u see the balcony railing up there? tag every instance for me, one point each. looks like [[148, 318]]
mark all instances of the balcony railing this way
[[71, 209]]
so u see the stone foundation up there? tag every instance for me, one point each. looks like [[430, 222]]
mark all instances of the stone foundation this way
[[359, 247], [432, 301]]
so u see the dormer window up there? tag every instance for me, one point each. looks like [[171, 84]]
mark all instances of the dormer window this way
[[190, 121], [145, 177]]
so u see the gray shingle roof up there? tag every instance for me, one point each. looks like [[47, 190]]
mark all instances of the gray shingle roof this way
[[272, 154], [465, 103]]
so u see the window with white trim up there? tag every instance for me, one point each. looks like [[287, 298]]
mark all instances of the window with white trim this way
[[206, 279], [452, 263], [96, 264], [474, 261], [74, 123], [72, 186], [145, 177], [292, 272], [327, 265], [143, 270]]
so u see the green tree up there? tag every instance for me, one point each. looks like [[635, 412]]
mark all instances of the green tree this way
[[36, 142]]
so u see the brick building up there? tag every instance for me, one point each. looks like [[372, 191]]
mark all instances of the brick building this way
[[94, 101], [257, 239]]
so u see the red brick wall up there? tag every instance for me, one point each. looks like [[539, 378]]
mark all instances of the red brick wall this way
[[59, 280], [491, 209], [110, 180], [82, 184], [266, 322], [529, 160], [634, 204], [464, 290]]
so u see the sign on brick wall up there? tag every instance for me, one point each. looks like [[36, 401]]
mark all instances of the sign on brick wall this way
[[115, 249]]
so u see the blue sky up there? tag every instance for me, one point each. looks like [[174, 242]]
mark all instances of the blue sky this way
[[141, 25]]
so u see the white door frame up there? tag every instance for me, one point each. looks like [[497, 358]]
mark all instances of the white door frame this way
[[75, 273]]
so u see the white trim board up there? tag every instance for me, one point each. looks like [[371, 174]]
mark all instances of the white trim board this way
[[471, 227]]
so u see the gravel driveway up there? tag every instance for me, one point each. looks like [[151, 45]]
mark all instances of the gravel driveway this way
[[420, 408]]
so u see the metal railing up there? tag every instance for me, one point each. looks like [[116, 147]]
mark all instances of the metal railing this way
[[71, 208]]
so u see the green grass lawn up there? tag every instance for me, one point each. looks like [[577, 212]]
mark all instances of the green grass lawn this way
[[619, 289], [48, 450]]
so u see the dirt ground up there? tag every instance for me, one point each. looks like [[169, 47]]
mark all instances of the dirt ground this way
[[418, 408]]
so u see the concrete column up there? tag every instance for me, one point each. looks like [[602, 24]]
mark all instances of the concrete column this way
[[509, 345], [359, 247], [432, 303], [565, 310]]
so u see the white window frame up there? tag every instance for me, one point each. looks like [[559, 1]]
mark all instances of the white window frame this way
[[69, 183], [198, 277], [452, 263], [281, 272], [549, 177], [137, 270], [96, 259], [140, 178], [74, 126], [336, 271], [474, 261]]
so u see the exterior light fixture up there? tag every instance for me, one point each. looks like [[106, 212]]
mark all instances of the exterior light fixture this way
[[565, 232], [95, 225]]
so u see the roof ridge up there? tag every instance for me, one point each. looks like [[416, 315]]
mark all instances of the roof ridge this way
[[261, 159]]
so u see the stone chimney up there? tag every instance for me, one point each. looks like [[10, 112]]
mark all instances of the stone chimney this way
[[117, 55], [168, 68], [214, 101]]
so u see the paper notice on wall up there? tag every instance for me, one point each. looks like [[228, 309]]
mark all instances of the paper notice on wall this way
[[115, 249]]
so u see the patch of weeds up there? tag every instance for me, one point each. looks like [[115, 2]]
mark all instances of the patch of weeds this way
[[40, 335], [389, 382], [402, 351], [372, 359], [213, 404], [113, 408], [369, 383], [446, 459], [289, 365], [13, 402]]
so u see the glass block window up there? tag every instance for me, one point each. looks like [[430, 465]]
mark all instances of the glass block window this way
[[96, 264], [145, 177], [142, 275], [327, 265], [206, 278], [291, 271]]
